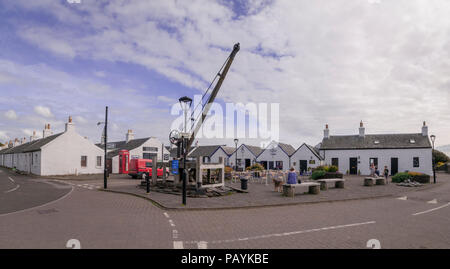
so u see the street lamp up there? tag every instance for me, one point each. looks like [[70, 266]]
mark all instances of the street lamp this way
[[433, 138], [235, 153], [105, 140], [185, 103]]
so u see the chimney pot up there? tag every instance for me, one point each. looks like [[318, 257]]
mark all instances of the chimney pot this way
[[70, 119]]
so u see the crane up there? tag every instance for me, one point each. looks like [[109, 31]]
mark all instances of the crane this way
[[185, 140]]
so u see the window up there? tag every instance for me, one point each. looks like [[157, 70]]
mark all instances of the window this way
[[206, 159], [166, 157], [335, 162], [279, 165], [99, 160], [312, 161], [150, 149], [416, 162], [148, 164], [83, 161], [373, 161]]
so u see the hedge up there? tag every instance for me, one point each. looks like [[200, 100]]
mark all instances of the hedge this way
[[320, 174], [413, 176]]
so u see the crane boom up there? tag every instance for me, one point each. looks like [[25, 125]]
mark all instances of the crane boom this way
[[213, 95]]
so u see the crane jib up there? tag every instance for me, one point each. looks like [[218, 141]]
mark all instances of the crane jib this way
[[213, 95]]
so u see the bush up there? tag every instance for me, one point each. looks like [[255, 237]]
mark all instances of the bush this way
[[413, 176], [321, 168], [333, 169], [419, 177], [334, 175], [318, 174], [255, 167]]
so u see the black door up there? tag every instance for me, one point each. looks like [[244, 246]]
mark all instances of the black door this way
[[394, 166], [247, 163], [271, 165], [303, 166], [353, 166], [264, 164]]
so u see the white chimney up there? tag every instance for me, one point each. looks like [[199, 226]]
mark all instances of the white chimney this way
[[326, 132], [130, 135], [425, 129], [47, 132], [361, 129], [24, 140], [69, 125], [16, 142], [33, 137]]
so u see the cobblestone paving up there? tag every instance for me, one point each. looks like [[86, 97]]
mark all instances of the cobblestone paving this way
[[260, 194]]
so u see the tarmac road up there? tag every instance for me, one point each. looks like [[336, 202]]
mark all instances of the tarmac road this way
[[108, 220]]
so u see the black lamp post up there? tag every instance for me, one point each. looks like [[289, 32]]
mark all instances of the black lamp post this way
[[235, 152], [433, 138], [185, 103], [105, 140]]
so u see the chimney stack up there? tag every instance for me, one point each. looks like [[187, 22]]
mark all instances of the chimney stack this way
[[361, 129], [130, 135], [69, 125], [326, 132], [16, 142], [425, 129], [47, 132]]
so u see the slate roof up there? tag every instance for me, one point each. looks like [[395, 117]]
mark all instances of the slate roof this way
[[255, 150], [314, 150], [123, 145], [385, 141], [287, 148], [30, 146], [228, 150], [201, 151]]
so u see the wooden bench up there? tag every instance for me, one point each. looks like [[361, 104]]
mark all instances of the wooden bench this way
[[338, 183], [370, 181], [289, 189]]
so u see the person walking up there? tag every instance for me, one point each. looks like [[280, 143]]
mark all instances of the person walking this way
[[372, 169], [386, 173]]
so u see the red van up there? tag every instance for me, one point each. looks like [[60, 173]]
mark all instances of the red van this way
[[140, 166]]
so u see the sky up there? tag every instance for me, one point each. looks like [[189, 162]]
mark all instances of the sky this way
[[324, 62]]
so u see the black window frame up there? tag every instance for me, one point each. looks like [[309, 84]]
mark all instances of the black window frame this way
[[416, 162]]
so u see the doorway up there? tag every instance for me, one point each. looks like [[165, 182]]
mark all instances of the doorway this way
[[394, 166], [303, 166], [353, 166], [247, 163]]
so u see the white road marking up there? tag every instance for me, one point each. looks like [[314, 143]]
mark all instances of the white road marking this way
[[171, 223], [11, 190], [31, 208], [178, 244], [12, 180], [174, 234], [404, 198], [165, 214], [288, 233], [434, 201], [202, 245], [430, 210]]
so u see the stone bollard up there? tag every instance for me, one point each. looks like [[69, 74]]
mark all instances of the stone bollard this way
[[323, 186], [288, 190], [339, 184], [368, 181], [381, 181], [314, 189]]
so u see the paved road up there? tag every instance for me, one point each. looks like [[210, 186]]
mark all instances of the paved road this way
[[108, 220]]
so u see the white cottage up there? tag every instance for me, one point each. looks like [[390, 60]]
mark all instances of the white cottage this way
[[245, 156], [276, 156], [211, 154], [353, 154], [305, 158], [141, 148], [60, 154]]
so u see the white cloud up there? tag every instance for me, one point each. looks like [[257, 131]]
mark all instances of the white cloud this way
[[335, 62], [43, 111], [11, 114], [4, 136], [165, 99]]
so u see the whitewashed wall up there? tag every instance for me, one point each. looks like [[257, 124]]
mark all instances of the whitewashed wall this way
[[280, 155], [220, 153], [62, 156], [304, 153], [242, 153], [405, 159]]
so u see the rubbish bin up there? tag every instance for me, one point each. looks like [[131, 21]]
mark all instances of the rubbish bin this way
[[243, 183]]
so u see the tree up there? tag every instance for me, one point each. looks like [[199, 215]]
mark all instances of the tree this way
[[440, 156], [1, 144]]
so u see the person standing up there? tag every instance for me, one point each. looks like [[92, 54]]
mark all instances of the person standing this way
[[292, 177], [386, 173], [372, 169]]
